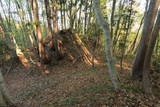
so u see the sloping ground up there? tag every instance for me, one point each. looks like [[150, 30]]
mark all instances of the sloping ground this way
[[75, 85]]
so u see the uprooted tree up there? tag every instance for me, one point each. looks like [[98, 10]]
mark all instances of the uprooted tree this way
[[70, 47]]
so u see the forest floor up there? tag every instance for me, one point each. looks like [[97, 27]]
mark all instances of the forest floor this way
[[76, 85]]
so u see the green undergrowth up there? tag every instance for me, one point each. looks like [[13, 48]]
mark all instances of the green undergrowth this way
[[131, 87]]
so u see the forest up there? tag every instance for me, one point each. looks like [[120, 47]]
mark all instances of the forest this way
[[79, 53]]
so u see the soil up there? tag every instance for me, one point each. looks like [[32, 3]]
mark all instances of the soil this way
[[75, 85]]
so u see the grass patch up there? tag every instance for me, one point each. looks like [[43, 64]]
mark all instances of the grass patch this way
[[70, 101], [133, 88], [96, 88]]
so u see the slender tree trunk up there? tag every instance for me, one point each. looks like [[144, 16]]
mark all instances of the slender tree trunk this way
[[54, 15], [86, 16], [108, 45], [61, 11], [128, 26], [146, 33], [41, 47], [90, 14], [31, 19], [116, 34], [80, 11], [157, 46], [147, 62], [2, 28], [112, 16], [48, 13], [64, 16], [132, 46]]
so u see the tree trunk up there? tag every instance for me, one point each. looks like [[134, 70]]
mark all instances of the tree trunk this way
[[5, 100], [85, 16], [54, 13], [117, 29], [128, 24], [31, 19], [147, 61], [41, 47], [146, 32], [48, 13], [108, 44], [112, 16], [61, 11], [133, 44]]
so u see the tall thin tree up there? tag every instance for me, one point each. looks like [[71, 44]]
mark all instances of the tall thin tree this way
[[108, 44]]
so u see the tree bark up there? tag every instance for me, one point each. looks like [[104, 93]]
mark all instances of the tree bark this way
[[48, 13], [147, 62], [112, 16], [41, 47], [5, 100], [108, 44], [54, 15], [146, 33]]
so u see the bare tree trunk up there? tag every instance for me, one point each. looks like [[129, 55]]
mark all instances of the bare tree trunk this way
[[41, 47], [2, 28], [146, 68], [112, 16], [61, 11], [116, 34], [90, 14], [133, 44], [146, 33], [5, 100], [79, 19], [128, 28], [64, 16], [85, 16], [108, 45], [48, 13], [31, 19], [54, 15]]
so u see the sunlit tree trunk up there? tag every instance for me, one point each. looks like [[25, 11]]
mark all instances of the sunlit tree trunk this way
[[108, 44], [41, 47], [2, 27], [54, 15], [31, 19]]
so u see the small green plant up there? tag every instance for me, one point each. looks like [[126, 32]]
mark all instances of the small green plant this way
[[133, 88], [70, 101]]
